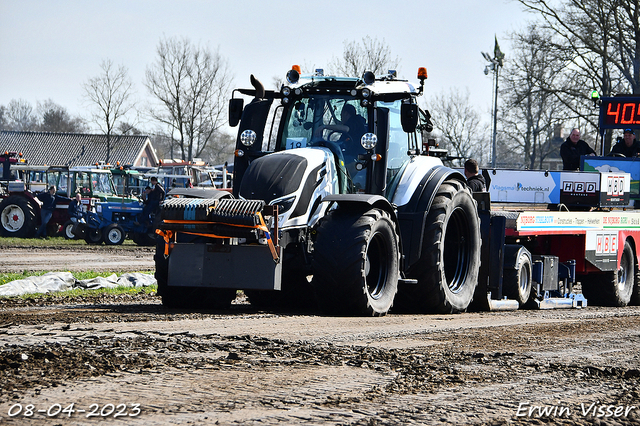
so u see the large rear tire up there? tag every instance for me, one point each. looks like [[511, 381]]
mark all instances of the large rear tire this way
[[447, 271], [356, 263], [17, 217], [612, 288]]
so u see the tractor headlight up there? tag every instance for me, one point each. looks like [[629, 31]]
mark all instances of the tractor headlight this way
[[284, 204], [369, 141], [248, 137]]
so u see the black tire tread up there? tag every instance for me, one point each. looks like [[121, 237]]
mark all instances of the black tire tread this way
[[338, 262]]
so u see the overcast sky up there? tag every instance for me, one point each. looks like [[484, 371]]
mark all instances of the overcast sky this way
[[48, 49]]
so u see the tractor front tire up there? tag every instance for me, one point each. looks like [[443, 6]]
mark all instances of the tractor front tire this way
[[356, 263], [114, 235], [17, 217]]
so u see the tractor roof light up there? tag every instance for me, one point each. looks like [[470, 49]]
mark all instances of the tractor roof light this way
[[248, 137], [286, 91], [366, 93], [422, 73], [369, 141]]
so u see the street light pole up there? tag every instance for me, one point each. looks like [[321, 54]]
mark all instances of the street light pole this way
[[494, 65], [495, 119]]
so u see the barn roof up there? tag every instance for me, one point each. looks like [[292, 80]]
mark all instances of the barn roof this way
[[74, 149]]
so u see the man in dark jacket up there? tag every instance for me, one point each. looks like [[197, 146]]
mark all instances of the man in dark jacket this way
[[629, 146], [474, 179], [76, 212], [155, 194], [572, 149], [48, 201]]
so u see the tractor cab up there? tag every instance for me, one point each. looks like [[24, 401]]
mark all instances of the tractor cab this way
[[369, 124]]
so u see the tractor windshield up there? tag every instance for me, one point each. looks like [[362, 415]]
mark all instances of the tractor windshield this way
[[337, 123]]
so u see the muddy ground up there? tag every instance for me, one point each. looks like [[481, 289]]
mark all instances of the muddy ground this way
[[127, 359]]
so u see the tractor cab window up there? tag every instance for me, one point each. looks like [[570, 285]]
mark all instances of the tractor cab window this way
[[102, 183], [83, 183], [336, 123], [398, 146]]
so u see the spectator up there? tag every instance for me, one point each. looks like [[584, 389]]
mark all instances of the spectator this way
[[629, 146], [76, 211], [572, 149], [47, 200], [155, 194], [474, 179]]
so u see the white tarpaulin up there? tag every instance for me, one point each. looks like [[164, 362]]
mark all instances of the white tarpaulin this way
[[61, 281]]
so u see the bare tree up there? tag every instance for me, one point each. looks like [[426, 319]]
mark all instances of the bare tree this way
[[531, 112], [602, 41], [458, 125], [368, 55], [111, 95], [191, 85], [19, 116], [55, 118]]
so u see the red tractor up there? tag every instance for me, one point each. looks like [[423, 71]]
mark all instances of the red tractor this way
[[19, 208]]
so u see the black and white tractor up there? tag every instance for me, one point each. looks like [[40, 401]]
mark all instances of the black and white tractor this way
[[336, 201]]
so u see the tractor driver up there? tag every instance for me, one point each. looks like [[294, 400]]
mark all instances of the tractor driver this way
[[351, 126], [629, 146]]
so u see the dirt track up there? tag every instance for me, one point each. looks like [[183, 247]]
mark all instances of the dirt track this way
[[76, 258], [244, 366]]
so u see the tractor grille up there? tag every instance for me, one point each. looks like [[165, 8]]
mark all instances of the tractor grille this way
[[224, 218], [237, 212], [187, 208]]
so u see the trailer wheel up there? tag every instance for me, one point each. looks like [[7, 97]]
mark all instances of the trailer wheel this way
[[355, 263], [113, 235], [517, 282], [447, 271], [17, 217], [613, 288], [93, 236], [67, 231], [635, 296]]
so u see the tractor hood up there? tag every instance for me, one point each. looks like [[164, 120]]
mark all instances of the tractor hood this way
[[296, 180]]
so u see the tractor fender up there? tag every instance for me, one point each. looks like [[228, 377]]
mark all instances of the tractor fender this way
[[412, 216], [362, 202]]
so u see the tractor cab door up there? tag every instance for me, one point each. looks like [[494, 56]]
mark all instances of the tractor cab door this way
[[394, 145]]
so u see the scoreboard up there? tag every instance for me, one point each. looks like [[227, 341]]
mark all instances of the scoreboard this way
[[621, 112]]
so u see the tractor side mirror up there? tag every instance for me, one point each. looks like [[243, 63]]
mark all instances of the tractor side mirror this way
[[235, 111], [409, 117]]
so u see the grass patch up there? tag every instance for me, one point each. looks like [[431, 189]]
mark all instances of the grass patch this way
[[95, 292]]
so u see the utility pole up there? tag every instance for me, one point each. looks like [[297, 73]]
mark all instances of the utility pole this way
[[494, 65]]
